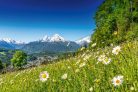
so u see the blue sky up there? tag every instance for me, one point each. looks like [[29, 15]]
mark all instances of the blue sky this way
[[30, 20]]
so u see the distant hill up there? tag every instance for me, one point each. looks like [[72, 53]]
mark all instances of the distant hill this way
[[39, 46], [6, 45]]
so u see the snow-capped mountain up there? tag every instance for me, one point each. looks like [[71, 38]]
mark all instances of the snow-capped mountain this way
[[46, 39], [8, 40], [54, 38], [55, 43], [9, 43], [57, 38], [84, 41]]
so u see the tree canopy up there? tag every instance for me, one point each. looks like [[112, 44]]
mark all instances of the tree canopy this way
[[19, 59], [116, 22]]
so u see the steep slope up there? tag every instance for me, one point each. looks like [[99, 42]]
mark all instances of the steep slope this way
[[83, 73], [39, 46], [55, 44], [6, 45]]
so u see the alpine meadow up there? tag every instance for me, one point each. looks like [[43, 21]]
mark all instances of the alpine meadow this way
[[106, 61]]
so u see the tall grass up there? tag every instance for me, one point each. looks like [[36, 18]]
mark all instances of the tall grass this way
[[84, 73]]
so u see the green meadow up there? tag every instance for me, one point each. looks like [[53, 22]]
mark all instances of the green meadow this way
[[84, 73]]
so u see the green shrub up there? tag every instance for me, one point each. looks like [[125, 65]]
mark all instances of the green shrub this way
[[19, 59]]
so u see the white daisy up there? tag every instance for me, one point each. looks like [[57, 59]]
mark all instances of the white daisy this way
[[132, 88], [116, 50], [82, 48], [118, 80], [111, 44], [69, 67], [44, 76], [101, 58], [64, 77], [77, 62], [82, 64], [107, 61], [115, 33], [1, 79], [17, 75], [86, 57], [91, 89], [1, 82], [11, 82], [77, 70], [93, 45], [83, 55]]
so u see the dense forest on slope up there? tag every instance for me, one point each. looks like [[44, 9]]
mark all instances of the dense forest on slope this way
[[116, 22]]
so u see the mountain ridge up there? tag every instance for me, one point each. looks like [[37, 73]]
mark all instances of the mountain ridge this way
[[54, 38], [55, 43]]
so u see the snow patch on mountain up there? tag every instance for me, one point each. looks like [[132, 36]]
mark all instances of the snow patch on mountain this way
[[57, 38], [54, 38], [8, 40], [46, 39], [84, 41], [11, 41]]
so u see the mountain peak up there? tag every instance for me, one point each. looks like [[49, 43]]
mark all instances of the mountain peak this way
[[46, 38], [8, 40], [56, 38], [11, 41]]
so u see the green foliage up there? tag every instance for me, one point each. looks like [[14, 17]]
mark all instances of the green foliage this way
[[19, 59], [116, 21], [6, 55]]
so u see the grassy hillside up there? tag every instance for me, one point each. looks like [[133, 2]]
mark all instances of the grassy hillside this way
[[82, 73]]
